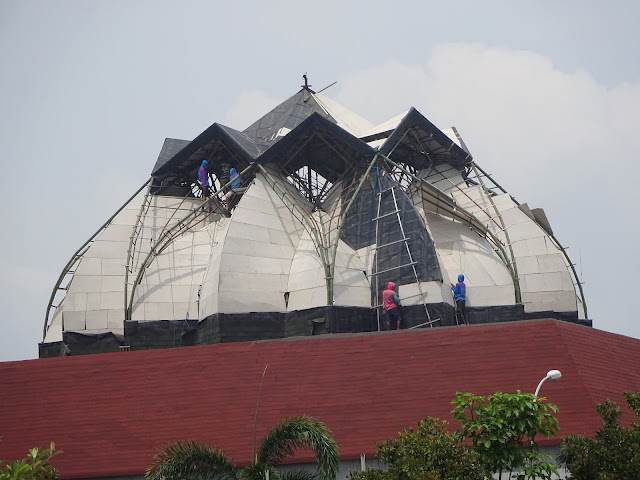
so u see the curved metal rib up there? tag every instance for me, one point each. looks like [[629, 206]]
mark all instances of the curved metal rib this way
[[156, 248], [516, 282], [454, 208], [558, 244], [132, 242], [334, 245], [305, 219], [79, 254]]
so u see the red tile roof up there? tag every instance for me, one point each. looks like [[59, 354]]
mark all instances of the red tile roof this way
[[109, 413]]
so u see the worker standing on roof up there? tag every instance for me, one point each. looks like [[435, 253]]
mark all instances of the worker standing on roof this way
[[236, 188], [391, 304], [236, 182], [460, 296], [203, 176]]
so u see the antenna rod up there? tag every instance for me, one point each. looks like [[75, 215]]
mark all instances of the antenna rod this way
[[255, 422], [327, 87]]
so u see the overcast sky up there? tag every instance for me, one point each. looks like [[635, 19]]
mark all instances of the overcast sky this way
[[546, 95]]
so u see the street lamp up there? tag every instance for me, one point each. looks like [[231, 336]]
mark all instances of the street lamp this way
[[551, 375]]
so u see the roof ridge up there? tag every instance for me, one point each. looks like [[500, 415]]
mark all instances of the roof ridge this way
[[561, 328]]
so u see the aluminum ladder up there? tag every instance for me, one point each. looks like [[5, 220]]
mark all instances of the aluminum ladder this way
[[412, 263]]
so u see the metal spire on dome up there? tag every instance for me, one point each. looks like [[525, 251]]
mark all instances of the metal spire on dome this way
[[306, 85]]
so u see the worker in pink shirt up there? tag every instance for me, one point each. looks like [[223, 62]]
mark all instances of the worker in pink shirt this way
[[391, 303]]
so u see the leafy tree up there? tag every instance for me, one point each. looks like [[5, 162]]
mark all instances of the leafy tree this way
[[34, 467], [503, 427], [428, 453], [614, 453], [198, 461]]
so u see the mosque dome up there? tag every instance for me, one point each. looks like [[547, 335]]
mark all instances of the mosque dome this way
[[326, 209]]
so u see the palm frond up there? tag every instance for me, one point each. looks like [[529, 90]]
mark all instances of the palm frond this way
[[257, 471], [574, 447], [299, 475], [301, 432], [193, 461]]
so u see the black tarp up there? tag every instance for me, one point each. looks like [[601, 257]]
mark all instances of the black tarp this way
[[187, 160], [243, 327], [83, 344], [170, 149], [307, 145], [156, 334], [289, 114], [392, 260], [53, 349], [419, 143]]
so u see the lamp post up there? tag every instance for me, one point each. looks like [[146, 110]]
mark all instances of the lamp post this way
[[551, 375]]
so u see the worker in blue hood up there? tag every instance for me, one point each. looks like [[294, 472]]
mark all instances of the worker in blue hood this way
[[460, 295], [236, 182], [236, 191], [203, 176]]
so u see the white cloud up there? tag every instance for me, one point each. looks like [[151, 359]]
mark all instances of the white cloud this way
[[514, 109], [380, 92], [554, 139]]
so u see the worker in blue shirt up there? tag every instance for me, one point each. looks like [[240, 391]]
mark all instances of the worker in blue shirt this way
[[460, 296]]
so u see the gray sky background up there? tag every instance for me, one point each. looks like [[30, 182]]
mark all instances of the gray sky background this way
[[546, 95]]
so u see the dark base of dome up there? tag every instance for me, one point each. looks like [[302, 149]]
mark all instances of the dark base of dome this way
[[246, 327]]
